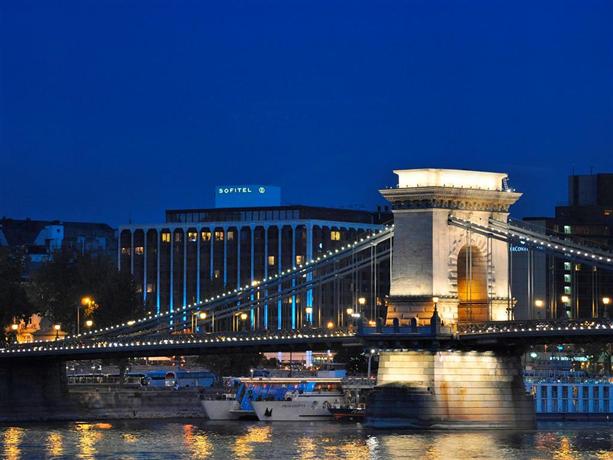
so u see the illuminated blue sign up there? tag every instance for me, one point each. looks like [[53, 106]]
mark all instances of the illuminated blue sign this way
[[244, 196]]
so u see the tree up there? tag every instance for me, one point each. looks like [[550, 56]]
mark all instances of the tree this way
[[61, 283], [14, 302]]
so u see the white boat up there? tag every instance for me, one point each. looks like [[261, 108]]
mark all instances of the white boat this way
[[299, 406], [221, 409], [319, 393]]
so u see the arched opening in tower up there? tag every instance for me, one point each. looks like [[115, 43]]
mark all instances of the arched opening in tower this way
[[472, 285]]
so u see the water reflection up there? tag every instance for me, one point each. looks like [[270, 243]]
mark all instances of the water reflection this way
[[197, 442], [308, 441], [88, 437], [244, 444], [12, 439], [55, 444]]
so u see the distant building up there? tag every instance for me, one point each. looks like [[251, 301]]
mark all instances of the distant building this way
[[562, 287], [197, 253], [40, 238]]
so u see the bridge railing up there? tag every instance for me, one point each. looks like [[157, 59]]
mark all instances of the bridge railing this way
[[535, 326]]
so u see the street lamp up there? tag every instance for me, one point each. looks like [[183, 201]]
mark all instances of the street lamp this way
[[14, 327], [538, 303], [243, 317], [370, 355], [88, 302], [349, 311], [566, 301], [309, 314], [195, 316], [57, 328], [330, 325], [89, 323], [606, 301]]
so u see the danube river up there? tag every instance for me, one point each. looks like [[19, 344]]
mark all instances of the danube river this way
[[255, 440]]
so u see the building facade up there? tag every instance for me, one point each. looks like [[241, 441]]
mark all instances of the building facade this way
[[553, 287], [198, 253], [39, 239]]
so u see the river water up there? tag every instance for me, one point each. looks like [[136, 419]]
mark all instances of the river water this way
[[189, 439]]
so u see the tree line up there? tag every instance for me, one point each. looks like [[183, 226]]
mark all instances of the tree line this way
[[57, 288]]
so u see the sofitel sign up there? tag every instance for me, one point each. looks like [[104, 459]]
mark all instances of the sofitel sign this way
[[243, 189], [237, 196]]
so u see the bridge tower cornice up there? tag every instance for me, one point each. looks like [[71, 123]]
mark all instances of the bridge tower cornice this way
[[443, 197]]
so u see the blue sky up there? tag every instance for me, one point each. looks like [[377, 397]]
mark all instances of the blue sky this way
[[116, 110]]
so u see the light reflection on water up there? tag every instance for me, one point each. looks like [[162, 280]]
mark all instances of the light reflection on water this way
[[195, 439]]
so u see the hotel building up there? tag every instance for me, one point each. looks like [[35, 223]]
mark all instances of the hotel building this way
[[198, 253]]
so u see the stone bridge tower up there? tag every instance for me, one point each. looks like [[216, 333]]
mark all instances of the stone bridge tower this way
[[468, 272]]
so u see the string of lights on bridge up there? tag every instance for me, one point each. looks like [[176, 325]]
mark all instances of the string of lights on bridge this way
[[219, 297], [539, 242], [105, 345]]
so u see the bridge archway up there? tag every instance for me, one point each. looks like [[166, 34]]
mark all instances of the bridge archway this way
[[473, 302]]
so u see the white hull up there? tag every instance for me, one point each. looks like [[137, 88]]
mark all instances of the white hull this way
[[303, 408], [221, 409]]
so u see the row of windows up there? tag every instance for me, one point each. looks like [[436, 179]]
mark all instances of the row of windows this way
[[140, 250], [243, 216], [335, 235]]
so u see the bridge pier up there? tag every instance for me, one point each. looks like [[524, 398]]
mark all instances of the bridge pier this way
[[33, 389], [450, 389]]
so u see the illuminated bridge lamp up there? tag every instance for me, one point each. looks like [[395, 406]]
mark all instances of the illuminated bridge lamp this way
[[243, 316], [308, 310], [57, 328], [362, 301], [14, 327], [349, 311], [565, 299], [330, 325], [538, 303], [202, 315], [89, 323], [606, 300]]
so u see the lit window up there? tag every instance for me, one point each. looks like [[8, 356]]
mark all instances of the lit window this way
[[139, 250], [165, 237], [567, 266], [567, 229], [230, 236], [206, 235], [566, 289], [192, 236], [299, 260], [335, 235], [216, 274], [567, 278], [271, 260], [219, 235], [178, 237]]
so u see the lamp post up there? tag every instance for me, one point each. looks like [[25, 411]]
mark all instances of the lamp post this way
[[14, 329], [538, 303], [330, 325], [89, 323], [195, 317], [243, 317], [57, 328], [566, 301], [88, 302], [370, 355], [362, 304], [309, 315], [606, 301]]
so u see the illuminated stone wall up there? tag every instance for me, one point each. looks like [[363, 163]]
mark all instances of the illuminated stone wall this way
[[455, 388], [427, 250]]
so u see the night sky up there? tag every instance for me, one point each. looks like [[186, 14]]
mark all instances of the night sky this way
[[112, 111]]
